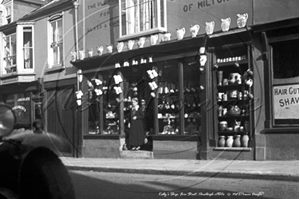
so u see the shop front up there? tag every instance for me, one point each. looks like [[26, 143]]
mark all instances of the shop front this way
[[189, 88], [21, 99], [212, 95]]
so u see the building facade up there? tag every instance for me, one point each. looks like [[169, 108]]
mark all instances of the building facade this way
[[215, 77], [219, 78], [37, 79]]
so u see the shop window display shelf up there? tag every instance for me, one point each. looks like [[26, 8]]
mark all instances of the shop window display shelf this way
[[233, 87], [232, 149], [231, 63], [233, 117], [232, 132], [234, 102]]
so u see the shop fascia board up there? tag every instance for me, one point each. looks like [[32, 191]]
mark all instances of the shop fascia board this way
[[160, 52], [275, 25]]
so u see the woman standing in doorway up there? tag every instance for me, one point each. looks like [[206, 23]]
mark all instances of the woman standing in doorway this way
[[136, 133]]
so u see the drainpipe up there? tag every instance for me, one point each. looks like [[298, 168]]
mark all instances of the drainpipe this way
[[76, 5]]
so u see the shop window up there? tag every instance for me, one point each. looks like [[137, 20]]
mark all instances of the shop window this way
[[10, 53], [103, 107], [139, 17], [169, 104], [55, 55], [285, 62], [192, 102], [233, 96]]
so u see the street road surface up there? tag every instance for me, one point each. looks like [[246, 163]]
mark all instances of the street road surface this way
[[97, 185]]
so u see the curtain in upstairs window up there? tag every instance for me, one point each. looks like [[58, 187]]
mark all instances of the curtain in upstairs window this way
[[139, 15]]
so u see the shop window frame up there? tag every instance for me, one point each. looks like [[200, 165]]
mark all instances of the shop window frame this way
[[280, 82], [161, 19], [56, 43]]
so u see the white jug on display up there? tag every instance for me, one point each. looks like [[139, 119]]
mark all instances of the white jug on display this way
[[180, 33]]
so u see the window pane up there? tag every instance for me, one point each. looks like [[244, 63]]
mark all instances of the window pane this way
[[59, 30], [192, 103], [60, 53], [54, 29], [286, 59], [27, 37], [168, 100], [144, 15], [13, 44], [55, 55], [154, 13], [162, 11], [27, 58]]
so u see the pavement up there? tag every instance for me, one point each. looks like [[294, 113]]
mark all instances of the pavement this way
[[266, 170]]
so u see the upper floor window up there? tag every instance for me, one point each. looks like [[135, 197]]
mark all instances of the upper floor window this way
[[3, 15], [8, 13], [56, 41], [18, 50], [138, 17], [10, 53]]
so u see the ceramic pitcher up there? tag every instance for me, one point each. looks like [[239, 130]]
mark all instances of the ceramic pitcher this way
[[120, 47], [81, 54], [167, 36], [242, 20], [209, 27], [99, 50], [90, 53], [180, 33], [131, 44], [73, 56], [194, 29], [153, 39], [225, 24], [109, 48], [141, 42]]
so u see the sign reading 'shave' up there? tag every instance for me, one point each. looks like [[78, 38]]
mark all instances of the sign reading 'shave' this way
[[286, 101]]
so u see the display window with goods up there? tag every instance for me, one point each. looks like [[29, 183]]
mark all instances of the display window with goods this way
[[233, 80]]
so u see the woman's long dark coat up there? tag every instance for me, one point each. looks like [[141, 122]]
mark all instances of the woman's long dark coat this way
[[136, 132]]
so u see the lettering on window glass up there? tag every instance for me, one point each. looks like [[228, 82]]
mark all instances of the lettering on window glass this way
[[286, 101]]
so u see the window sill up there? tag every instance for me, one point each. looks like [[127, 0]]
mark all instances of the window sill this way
[[140, 34], [176, 137], [14, 74], [101, 137], [55, 68], [281, 130]]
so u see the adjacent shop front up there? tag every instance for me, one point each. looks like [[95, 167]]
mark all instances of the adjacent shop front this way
[[21, 99]]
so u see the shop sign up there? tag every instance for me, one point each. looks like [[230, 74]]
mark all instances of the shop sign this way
[[20, 104], [286, 101]]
